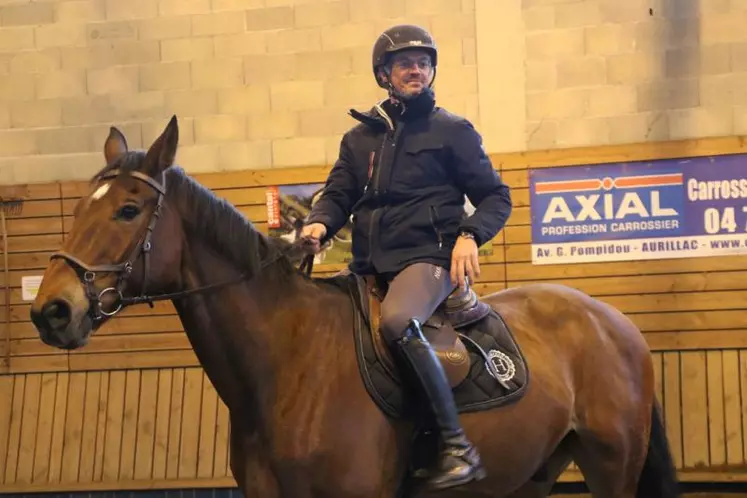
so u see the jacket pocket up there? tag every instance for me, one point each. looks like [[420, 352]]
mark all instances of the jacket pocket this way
[[434, 224], [425, 161]]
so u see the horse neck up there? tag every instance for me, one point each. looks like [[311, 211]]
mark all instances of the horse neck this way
[[244, 334]]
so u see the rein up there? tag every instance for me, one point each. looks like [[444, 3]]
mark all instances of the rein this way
[[144, 246]]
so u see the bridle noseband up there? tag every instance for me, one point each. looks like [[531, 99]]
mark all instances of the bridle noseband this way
[[144, 246]]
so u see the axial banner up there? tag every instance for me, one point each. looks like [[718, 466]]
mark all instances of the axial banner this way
[[674, 208]]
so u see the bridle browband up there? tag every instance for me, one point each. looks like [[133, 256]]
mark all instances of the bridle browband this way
[[144, 246]]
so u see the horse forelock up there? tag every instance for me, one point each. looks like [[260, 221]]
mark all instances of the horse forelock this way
[[126, 163]]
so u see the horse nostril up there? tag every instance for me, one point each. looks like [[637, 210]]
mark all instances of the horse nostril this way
[[57, 314]]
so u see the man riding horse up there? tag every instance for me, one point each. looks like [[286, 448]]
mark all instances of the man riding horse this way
[[403, 174]]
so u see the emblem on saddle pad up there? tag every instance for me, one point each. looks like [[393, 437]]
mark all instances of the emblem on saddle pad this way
[[501, 367]]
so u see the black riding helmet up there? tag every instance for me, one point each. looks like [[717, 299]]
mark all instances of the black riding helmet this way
[[398, 38]]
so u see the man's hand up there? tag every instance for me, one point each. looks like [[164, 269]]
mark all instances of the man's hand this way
[[464, 262], [315, 232]]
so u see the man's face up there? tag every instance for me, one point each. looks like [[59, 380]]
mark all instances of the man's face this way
[[411, 71]]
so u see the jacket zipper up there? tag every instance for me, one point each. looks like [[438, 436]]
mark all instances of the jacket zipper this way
[[374, 215], [435, 226]]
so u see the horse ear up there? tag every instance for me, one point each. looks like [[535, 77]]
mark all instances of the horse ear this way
[[115, 145], [162, 152]]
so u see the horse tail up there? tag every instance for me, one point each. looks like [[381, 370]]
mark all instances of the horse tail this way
[[659, 475]]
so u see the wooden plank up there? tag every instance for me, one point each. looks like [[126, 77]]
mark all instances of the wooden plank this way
[[71, 447], [137, 360], [653, 284], [44, 429], [175, 423], [29, 261], [14, 436], [36, 209], [694, 409], [75, 189], [113, 434], [31, 192], [134, 343], [7, 392], [21, 328], [176, 485], [129, 425], [35, 347], [732, 409], [237, 196], [161, 431], [34, 226], [681, 321], [58, 428], [146, 422], [101, 426], [34, 243], [700, 341], [716, 418], [221, 466], [189, 443], [29, 426], [264, 177], [36, 364], [673, 406], [90, 427], [716, 300], [208, 419]]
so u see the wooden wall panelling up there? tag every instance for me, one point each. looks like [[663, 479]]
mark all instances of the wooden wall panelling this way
[[93, 430], [151, 394], [33, 232]]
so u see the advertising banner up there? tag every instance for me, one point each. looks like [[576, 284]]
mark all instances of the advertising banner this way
[[674, 208]]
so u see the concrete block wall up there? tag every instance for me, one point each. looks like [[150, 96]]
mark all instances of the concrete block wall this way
[[255, 83], [267, 83], [610, 71]]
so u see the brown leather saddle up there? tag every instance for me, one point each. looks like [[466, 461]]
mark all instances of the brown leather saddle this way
[[460, 309]]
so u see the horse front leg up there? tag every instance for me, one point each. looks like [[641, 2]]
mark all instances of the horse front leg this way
[[253, 474]]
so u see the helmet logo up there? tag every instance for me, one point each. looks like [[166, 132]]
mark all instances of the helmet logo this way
[[416, 42]]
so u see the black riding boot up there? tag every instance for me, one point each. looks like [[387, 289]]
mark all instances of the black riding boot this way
[[460, 461]]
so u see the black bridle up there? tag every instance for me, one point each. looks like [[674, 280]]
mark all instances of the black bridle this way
[[124, 270]]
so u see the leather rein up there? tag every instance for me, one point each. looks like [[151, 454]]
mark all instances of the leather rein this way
[[144, 246]]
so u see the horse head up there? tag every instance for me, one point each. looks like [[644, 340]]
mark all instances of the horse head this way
[[107, 252]]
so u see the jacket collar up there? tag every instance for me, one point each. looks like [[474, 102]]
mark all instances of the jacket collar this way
[[380, 120]]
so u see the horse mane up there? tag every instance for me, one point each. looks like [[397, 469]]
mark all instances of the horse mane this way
[[222, 226]]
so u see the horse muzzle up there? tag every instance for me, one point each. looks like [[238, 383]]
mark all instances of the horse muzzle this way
[[61, 325]]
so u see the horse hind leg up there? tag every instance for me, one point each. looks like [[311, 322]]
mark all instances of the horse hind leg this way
[[611, 458], [541, 486]]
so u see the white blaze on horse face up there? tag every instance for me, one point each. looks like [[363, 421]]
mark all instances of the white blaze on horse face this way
[[101, 191]]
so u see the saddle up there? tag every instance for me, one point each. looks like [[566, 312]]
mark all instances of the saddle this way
[[460, 309]]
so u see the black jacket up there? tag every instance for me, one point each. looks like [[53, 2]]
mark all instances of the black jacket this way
[[403, 177]]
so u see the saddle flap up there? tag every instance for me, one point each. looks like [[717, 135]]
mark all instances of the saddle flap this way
[[443, 338]]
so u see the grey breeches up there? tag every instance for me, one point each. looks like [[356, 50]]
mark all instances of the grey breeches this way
[[415, 292]]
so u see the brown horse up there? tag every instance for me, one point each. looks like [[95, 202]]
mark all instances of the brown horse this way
[[279, 348]]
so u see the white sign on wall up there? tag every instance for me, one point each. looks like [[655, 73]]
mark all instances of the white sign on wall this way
[[30, 286]]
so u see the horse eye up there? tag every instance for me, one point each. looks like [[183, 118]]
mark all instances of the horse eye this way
[[128, 212]]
